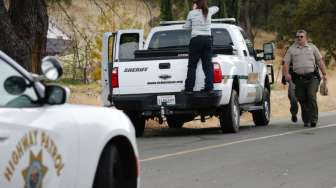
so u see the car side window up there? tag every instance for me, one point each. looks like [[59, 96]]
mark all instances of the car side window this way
[[15, 89], [128, 44], [248, 43]]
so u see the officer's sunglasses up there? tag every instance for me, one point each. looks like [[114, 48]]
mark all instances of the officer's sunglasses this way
[[299, 36]]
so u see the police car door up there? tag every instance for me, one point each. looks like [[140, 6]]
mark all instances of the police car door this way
[[32, 153], [117, 45], [252, 81]]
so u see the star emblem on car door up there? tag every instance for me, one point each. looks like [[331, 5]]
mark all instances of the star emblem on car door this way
[[33, 175]]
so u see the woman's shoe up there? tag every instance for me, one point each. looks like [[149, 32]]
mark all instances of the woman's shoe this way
[[294, 119]]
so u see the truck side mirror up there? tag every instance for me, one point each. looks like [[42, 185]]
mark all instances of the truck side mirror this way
[[258, 54], [269, 49], [270, 72]]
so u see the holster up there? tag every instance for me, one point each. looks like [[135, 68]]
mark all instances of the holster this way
[[317, 73]]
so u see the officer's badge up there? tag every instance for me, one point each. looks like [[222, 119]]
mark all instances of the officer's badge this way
[[35, 172]]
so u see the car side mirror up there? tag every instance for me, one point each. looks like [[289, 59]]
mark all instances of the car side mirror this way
[[55, 95], [15, 85], [51, 68], [269, 49]]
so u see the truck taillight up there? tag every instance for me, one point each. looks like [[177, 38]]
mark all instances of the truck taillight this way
[[217, 72], [114, 79]]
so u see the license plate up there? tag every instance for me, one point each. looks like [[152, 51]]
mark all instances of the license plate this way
[[168, 99]]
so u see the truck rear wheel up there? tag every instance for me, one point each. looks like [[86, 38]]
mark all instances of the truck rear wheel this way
[[263, 116], [138, 121], [229, 116]]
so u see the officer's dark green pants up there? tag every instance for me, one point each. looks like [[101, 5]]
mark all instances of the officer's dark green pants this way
[[305, 92], [294, 108]]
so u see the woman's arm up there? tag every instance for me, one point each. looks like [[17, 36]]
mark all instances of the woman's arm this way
[[187, 25], [213, 10]]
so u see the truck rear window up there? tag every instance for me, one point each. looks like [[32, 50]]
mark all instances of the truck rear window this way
[[173, 39], [170, 39]]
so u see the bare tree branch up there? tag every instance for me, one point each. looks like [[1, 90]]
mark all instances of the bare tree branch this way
[[99, 6], [148, 8], [111, 9], [70, 20]]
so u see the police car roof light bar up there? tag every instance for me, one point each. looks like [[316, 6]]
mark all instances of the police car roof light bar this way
[[219, 20]]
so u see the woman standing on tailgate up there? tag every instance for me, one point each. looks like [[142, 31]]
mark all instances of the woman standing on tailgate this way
[[200, 46]]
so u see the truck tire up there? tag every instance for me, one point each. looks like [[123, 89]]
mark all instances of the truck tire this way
[[138, 121], [229, 116], [262, 117], [174, 122], [111, 172]]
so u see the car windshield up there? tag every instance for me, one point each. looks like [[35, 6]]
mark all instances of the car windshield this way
[[15, 90], [173, 39]]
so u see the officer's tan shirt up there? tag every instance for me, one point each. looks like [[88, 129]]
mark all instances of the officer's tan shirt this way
[[304, 59]]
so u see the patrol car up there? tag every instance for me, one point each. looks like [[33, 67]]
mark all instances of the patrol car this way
[[45, 143], [145, 78]]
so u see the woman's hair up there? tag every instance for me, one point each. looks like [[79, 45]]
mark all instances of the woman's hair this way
[[203, 4]]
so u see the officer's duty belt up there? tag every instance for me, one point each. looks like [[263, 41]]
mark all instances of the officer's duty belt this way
[[307, 76]]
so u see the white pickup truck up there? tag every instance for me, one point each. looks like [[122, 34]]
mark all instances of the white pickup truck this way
[[145, 78]]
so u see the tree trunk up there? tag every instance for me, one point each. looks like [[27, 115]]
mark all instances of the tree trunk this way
[[25, 27], [247, 21], [186, 8], [10, 43]]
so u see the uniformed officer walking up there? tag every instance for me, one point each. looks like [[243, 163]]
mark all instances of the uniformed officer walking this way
[[306, 60]]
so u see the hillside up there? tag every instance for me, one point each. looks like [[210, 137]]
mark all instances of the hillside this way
[[124, 13], [87, 15]]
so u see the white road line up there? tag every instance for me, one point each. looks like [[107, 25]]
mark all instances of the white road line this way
[[231, 143]]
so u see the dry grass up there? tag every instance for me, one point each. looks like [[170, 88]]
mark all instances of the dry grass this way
[[85, 94], [263, 37]]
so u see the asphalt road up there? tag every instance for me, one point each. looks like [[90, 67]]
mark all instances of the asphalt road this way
[[282, 154]]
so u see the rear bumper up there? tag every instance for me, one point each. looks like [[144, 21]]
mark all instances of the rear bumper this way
[[148, 102]]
